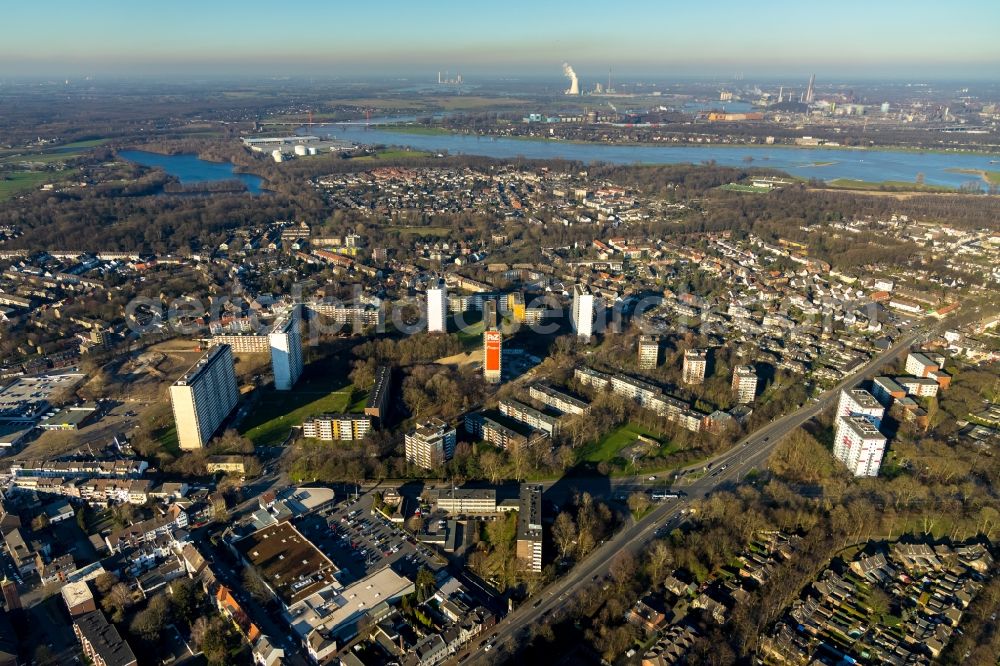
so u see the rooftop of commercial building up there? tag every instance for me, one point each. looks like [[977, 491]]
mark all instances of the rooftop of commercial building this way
[[69, 416], [289, 563], [466, 493], [329, 610]]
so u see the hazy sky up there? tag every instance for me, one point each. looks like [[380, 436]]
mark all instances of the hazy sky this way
[[906, 38]]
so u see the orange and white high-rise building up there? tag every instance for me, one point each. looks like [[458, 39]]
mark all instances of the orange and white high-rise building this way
[[492, 355]]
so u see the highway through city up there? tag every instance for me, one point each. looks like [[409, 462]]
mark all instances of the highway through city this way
[[726, 470]]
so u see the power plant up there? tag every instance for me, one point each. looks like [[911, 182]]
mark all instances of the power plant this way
[[811, 90], [574, 85], [448, 80]]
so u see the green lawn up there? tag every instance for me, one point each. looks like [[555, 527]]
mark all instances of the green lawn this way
[[886, 185], [89, 143], [472, 337], [51, 153], [43, 158], [277, 411], [392, 155], [360, 400], [608, 447], [167, 438], [19, 181]]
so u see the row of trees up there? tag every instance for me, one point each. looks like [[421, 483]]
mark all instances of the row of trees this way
[[580, 526]]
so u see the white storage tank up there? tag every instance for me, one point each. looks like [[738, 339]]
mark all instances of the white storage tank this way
[[300, 149]]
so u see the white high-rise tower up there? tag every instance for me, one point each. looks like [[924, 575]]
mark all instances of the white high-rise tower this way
[[583, 311], [437, 308], [204, 396], [285, 341]]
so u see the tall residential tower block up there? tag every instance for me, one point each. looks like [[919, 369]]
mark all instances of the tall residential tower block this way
[[204, 396]]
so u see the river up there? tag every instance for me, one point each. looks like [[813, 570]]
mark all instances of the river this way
[[824, 163]]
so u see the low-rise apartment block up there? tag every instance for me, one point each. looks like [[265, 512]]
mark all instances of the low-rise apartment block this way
[[885, 390], [558, 400], [496, 433], [921, 364], [378, 399], [530, 416], [337, 427]]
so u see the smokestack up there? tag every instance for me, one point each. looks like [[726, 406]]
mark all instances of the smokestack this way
[[574, 85]]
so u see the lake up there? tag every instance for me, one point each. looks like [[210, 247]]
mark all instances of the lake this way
[[191, 169], [822, 163]]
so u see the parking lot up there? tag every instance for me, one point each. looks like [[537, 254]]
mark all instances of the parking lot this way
[[359, 542]]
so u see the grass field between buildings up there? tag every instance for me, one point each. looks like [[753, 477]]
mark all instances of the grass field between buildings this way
[[276, 412], [609, 447]]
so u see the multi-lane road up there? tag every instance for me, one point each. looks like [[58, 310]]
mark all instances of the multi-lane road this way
[[728, 468]]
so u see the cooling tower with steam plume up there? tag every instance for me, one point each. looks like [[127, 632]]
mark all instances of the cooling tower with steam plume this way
[[574, 83]]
